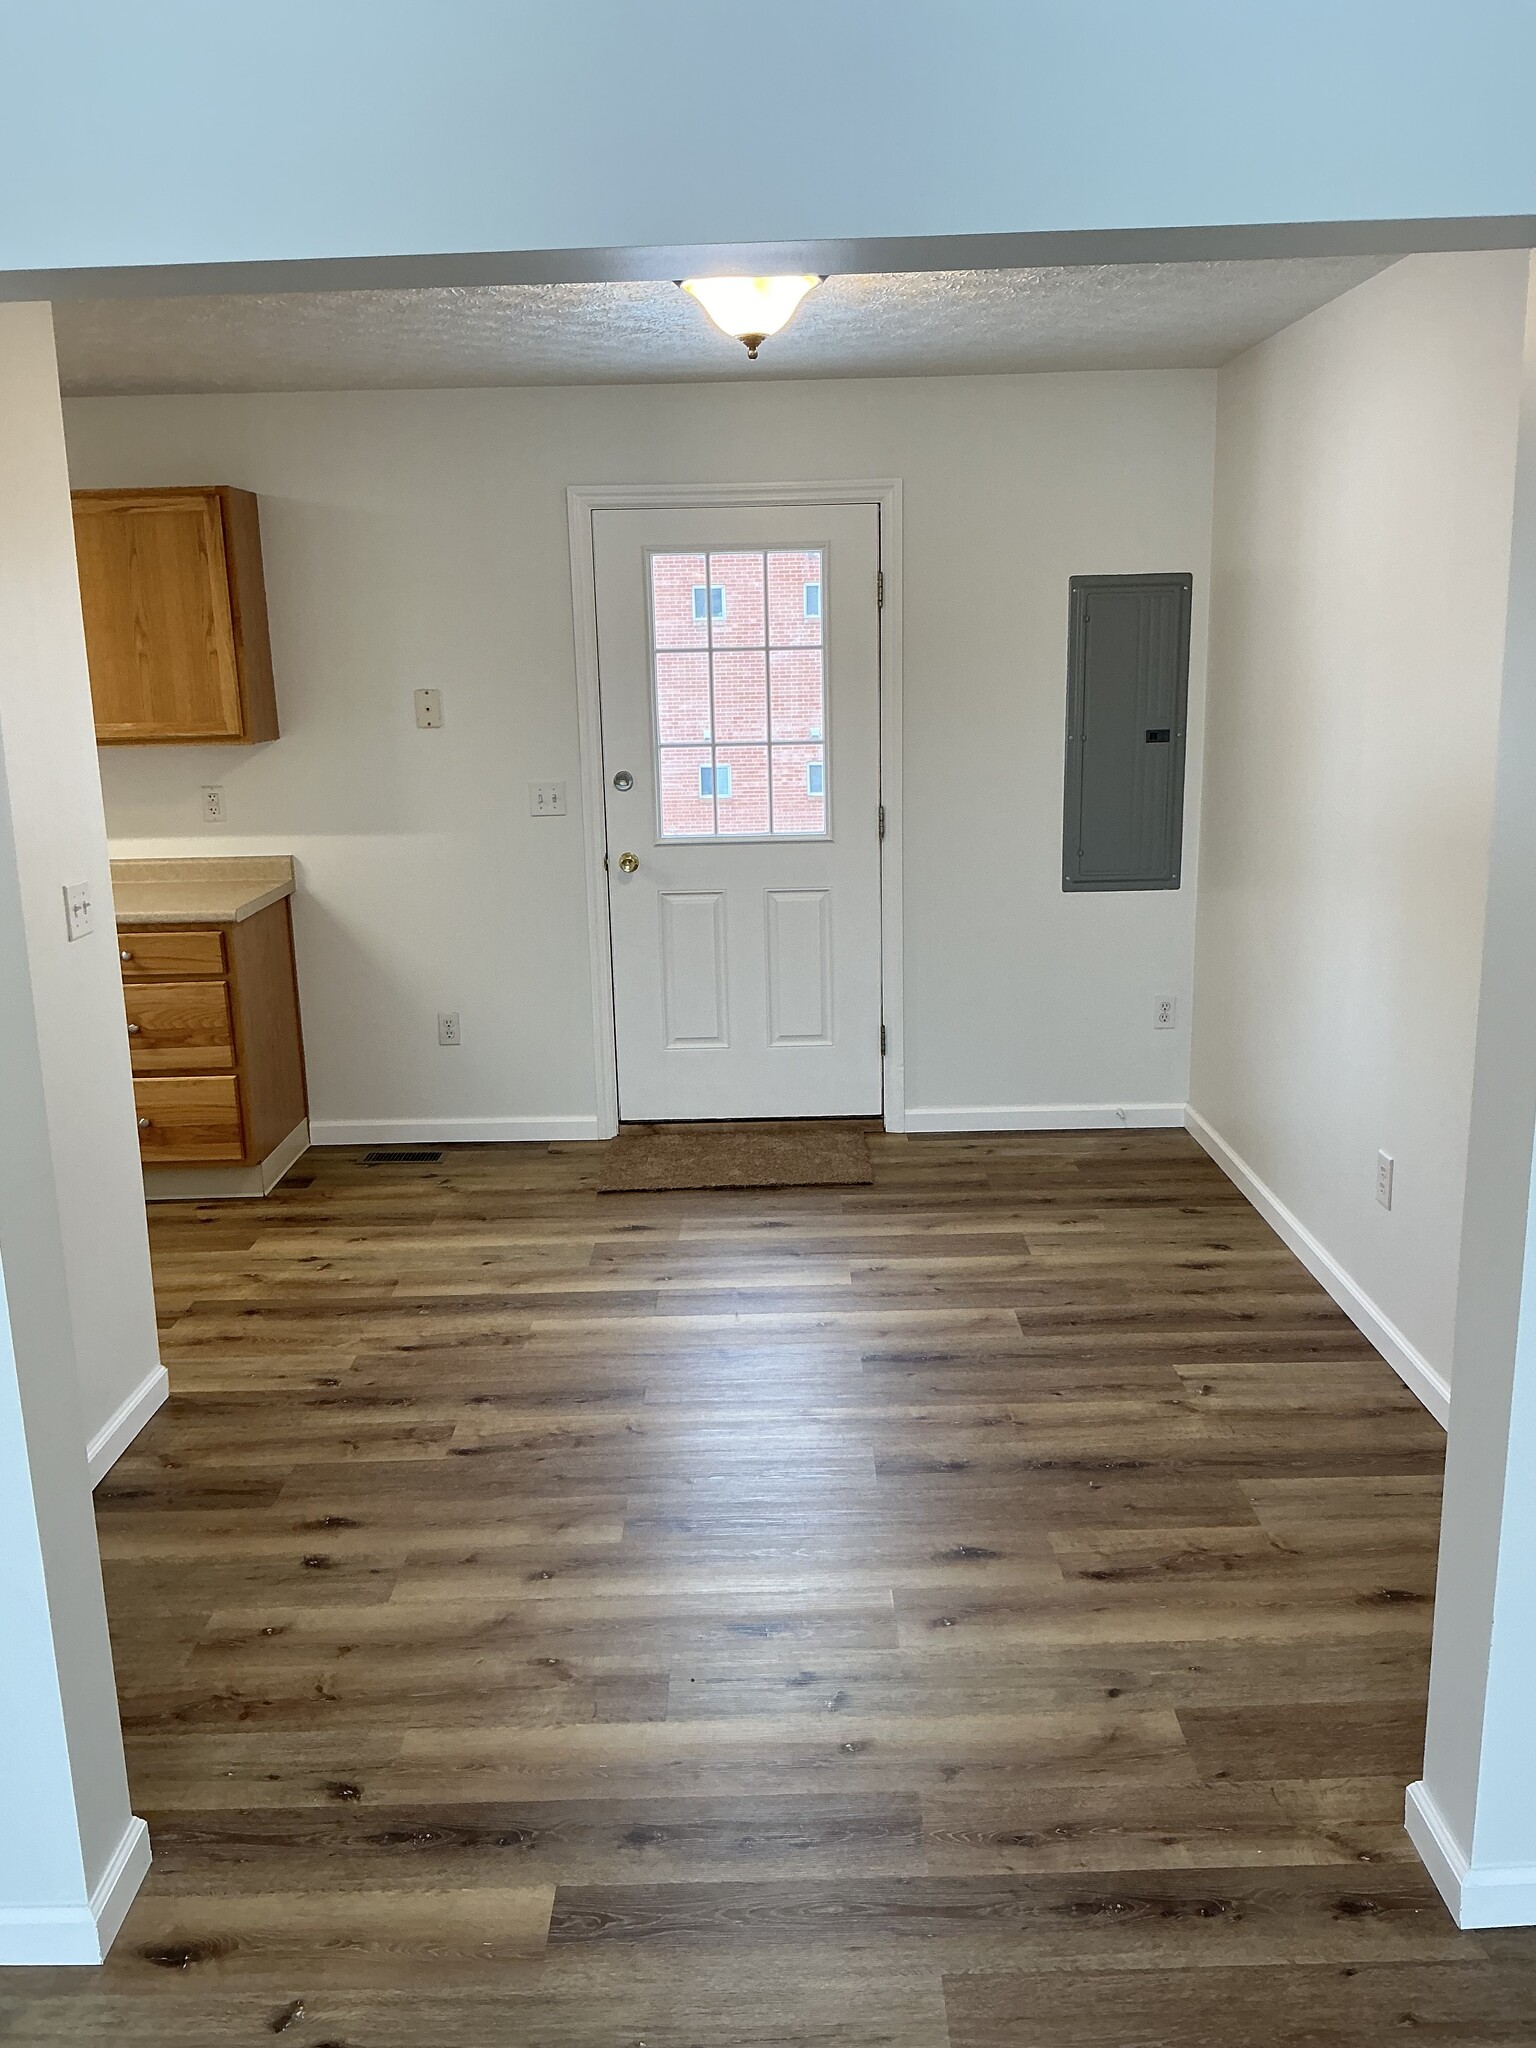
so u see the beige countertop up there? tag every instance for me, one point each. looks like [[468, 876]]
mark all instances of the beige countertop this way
[[211, 891]]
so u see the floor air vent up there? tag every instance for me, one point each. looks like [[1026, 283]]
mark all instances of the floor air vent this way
[[407, 1155]]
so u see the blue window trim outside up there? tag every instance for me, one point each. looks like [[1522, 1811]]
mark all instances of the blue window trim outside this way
[[715, 780], [813, 600], [815, 778], [716, 602]]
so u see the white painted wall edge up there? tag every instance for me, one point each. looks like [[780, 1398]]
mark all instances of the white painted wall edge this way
[[1411, 1366], [454, 1130], [52, 1935], [1504, 1895], [125, 1422], [1051, 1116]]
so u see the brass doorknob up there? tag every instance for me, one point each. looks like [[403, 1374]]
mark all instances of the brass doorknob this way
[[628, 862]]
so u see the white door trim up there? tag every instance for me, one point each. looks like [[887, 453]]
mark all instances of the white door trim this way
[[582, 500]]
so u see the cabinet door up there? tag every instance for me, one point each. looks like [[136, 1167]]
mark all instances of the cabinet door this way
[[188, 1119], [159, 633]]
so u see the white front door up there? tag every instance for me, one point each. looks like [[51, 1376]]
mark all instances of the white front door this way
[[739, 670]]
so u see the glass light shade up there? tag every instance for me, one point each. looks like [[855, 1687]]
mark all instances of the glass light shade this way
[[750, 308]]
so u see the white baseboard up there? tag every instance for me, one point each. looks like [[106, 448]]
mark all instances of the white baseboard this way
[[1411, 1366], [227, 1183], [46, 1936], [125, 1422], [1502, 1895], [453, 1130], [1052, 1116], [118, 1886]]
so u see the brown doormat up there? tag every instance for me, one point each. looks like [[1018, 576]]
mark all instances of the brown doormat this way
[[751, 1155]]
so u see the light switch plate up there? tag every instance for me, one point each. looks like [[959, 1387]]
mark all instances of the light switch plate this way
[[429, 709], [546, 799], [77, 908]]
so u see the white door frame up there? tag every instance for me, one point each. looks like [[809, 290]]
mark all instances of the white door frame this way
[[582, 500]]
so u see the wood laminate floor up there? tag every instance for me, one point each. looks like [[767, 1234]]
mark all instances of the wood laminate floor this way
[[987, 1609]]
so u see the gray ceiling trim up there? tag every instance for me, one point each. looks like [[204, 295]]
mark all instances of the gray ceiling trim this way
[[757, 259]]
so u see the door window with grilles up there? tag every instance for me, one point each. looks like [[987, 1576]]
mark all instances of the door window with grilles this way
[[739, 683]]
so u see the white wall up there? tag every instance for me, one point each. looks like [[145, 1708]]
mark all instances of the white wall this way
[[420, 538], [76, 989], [1365, 479]]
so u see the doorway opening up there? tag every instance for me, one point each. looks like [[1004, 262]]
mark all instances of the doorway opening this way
[[738, 654]]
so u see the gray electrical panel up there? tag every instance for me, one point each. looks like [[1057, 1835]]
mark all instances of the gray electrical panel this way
[[1127, 689]]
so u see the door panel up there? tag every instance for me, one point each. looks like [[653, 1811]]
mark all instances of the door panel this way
[[693, 968], [739, 672], [799, 967]]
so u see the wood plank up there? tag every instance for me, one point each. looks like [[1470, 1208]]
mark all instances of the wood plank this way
[[1366, 2004], [548, 1841], [1194, 1920]]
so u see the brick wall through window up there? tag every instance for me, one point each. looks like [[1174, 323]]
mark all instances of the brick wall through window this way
[[740, 682]]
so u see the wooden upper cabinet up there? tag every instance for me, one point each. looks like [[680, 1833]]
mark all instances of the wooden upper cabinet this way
[[175, 616]]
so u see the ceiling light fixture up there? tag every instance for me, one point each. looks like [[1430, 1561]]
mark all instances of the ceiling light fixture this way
[[749, 308]]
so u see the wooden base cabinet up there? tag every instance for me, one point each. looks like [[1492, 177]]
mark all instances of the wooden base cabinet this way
[[215, 1039]]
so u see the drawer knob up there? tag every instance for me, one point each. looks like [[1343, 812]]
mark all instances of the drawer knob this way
[[134, 1029], [125, 954], [143, 1123]]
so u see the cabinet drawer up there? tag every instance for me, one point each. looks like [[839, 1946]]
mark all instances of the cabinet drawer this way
[[191, 1118], [155, 955], [179, 1027]]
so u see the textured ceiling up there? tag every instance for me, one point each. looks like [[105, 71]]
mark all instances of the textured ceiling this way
[[1112, 316]]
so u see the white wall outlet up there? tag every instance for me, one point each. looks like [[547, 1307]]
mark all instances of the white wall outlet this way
[[1384, 1167], [77, 908], [448, 1028], [429, 709], [546, 799], [1165, 1013], [213, 803]]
